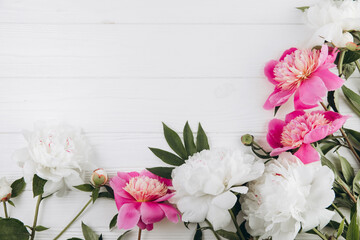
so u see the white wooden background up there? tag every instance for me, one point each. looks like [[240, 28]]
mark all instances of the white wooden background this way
[[117, 68]]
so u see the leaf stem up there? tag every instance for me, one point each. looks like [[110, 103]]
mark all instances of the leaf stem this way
[[212, 229], [238, 230], [340, 213], [36, 217], [5, 210], [73, 220], [357, 64], [322, 236], [345, 137], [139, 234]]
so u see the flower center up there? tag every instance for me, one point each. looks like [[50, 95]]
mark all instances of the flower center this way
[[145, 189], [296, 68], [294, 132]]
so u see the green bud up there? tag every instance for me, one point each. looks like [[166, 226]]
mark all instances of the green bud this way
[[247, 139]]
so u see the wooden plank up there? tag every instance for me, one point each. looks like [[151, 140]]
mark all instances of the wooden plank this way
[[148, 12], [147, 51]]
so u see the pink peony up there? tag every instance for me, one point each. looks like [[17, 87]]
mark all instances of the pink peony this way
[[300, 129], [140, 199], [304, 73]]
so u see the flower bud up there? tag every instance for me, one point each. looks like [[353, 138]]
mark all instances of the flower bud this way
[[99, 177], [247, 139], [5, 190]]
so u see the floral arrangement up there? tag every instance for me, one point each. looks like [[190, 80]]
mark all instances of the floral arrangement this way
[[302, 183]]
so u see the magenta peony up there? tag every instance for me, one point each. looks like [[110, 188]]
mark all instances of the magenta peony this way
[[300, 129], [304, 73], [140, 199]]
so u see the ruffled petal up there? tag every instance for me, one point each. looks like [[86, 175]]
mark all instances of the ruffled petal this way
[[275, 129], [307, 154]]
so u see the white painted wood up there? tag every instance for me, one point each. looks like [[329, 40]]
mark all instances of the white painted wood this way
[[117, 68]]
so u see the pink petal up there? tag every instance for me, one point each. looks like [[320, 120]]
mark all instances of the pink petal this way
[[307, 154], [331, 80], [299, 105], [324, 53], [165, 197], [117, 184], [317, 134], [293, 115], [143, 226], [312, 91], [337, 124], [170, 212], [127, 175], [277, 151], [275, 129], [167, 182], [128, 216], [119, 200], [277, 98], [269, 71], [287, 52], [151, 212]]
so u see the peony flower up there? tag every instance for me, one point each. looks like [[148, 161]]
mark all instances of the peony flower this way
[[99, 177], [5, 190], [59, 154], [304, 73], [332, 21], [204, 184], [140, 199], [288, 197], [300, 129]]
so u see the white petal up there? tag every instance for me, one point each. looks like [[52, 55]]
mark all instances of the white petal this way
[[218, 217], [225, 200], [241, 189]]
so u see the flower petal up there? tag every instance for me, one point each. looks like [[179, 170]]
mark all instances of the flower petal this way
[[275, 129], [165, 197], [300, 105], [337, 120], [170, 212], [312, 91], [277, 151], [269, 71], [128, 217], [151, 212], [307, 154], [277, 98], [331, 80], [225, 200], [287, 52], [241, 189], [293, 115], [317, 134]]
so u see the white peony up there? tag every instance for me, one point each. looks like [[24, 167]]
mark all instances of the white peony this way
[[204, 183], [5, 189], [58, 153], [289, 196], [332, 20]]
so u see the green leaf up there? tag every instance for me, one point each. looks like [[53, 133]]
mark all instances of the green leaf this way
[[38, 185], [327, 146], [354, 137], [113, 222], [13, 229], [88, 233], [351, 56], [74, 238], [85, 187], [174, 142], [348, 69], [356, 183], [333, 98], [40, 228], [105, 195], [341, 229], [122, 235], [95, 194], [326, 162], [164, 172], [227, 234], [17, 187], [353, 230], [167, 157], [11, 203], [276, 110], [352, 98], [347, 170], [110, 191], [304, 8], [201, 140], [198, 234], [189, 140]]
